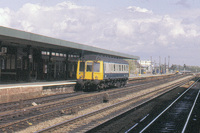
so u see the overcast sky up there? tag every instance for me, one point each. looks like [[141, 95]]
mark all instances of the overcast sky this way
[[143, 28]]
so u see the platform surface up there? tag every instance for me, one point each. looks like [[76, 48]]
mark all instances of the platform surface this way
[[50, 83]]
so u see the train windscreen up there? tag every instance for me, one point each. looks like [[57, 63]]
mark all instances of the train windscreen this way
[[82, 66], [96, 67]]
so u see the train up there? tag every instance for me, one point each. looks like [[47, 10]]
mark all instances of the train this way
[[99, 72]]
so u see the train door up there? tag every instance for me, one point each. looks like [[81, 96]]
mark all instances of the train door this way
[[88, 70], [81, 70], [97, 71]]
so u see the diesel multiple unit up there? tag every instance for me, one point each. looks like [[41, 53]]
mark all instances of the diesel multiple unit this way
[[99, 72]]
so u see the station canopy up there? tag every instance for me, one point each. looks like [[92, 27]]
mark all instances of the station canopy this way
[[18, 37]]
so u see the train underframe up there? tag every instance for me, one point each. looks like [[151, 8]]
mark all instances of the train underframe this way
[[91, 85]]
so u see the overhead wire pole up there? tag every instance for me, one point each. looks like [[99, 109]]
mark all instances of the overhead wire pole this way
[[151, 65], [0, 59], [165, 65], [140, 67], [155, 69], [168, 62]]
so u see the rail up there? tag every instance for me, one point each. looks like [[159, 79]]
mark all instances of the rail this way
[[65, 123]]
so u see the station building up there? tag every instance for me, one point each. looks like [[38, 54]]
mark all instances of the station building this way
[[30, 57]]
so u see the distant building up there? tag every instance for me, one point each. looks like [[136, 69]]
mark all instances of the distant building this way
[[146, 66]]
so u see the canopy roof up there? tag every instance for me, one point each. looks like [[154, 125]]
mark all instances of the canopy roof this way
[[26, 38]]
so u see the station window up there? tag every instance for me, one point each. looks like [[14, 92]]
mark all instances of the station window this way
[[57, 54], [53, 53], [3, 64], [96, 67], [12, 62], [82, 66], [8, 62], [89, 66], [44, 53]]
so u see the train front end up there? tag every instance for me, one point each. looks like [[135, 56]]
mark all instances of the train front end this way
[[89, 74]]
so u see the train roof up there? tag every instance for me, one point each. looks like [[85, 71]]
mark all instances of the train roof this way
[[104, 59]]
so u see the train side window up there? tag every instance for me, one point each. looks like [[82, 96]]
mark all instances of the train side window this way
[[89, 67], [110, 68], [96, 67], [126, 67], [82, 66]]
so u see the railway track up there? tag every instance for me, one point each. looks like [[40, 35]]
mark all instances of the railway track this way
[[52, 98], [79, 124], [156, 117], [178, 114], [64, 96], [15, 120], [40, 100], [112, 94]]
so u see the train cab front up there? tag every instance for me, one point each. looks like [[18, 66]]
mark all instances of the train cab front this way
[[89, 74]]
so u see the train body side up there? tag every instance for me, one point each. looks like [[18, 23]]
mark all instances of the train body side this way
[[101, 73], [115, 70]]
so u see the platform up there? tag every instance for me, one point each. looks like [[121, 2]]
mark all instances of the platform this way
[[20, 91]]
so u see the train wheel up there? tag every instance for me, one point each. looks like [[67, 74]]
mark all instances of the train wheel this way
[[84, 88], [98, 88], [118, 84]]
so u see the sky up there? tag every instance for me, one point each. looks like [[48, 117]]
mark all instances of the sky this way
[[144, 28]]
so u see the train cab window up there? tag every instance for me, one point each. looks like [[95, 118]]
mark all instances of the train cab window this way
[[96, 67], [82, 66], [89, 67]]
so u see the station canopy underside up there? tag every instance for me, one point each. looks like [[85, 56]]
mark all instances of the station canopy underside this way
[[17, 37]]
